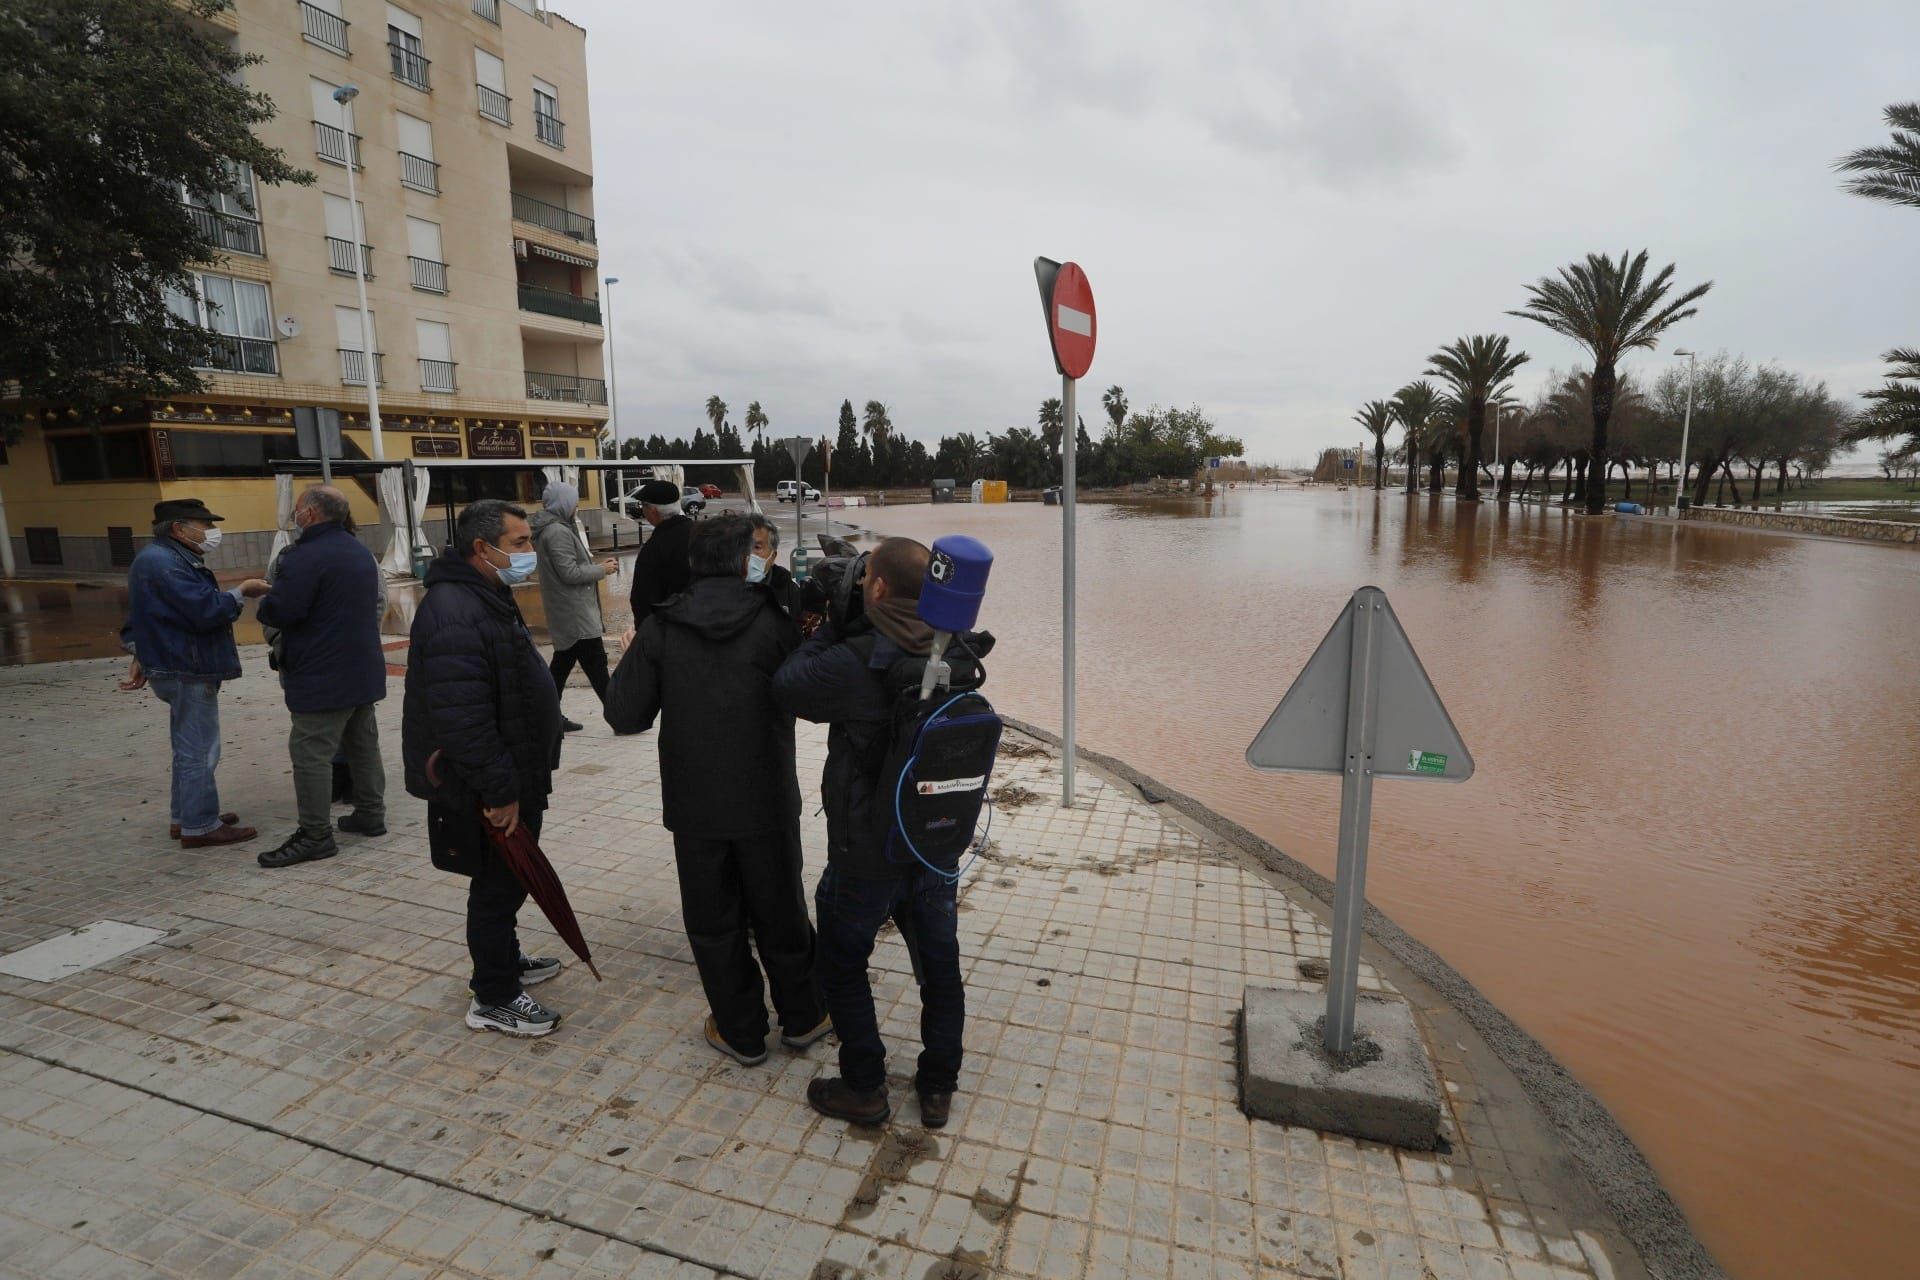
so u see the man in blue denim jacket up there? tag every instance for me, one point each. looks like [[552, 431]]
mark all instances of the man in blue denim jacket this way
[[179, 629]]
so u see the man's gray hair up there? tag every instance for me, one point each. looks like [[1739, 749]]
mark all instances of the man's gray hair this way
[[485, 520], [759, 521], [331, 503], [164, 528]]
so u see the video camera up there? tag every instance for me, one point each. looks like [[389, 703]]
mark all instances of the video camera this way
[[832, 588]]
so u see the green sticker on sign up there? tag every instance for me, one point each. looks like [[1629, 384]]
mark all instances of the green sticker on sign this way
[[1426, 762]]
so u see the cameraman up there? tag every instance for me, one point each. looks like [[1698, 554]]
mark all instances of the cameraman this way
[[830, 680]]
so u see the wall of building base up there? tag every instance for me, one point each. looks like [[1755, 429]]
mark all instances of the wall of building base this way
[[1834, 526]]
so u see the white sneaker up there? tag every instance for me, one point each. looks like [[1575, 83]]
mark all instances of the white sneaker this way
[[524, 1016], [537, 969]]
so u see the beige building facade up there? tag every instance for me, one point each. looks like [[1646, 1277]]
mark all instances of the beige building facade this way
[[474, 185]]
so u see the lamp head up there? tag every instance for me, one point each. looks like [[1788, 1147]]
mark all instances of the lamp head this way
[[1677, 351], [613, 279], [346, 93]]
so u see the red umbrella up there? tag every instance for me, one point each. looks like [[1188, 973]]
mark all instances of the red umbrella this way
[[522, 854]]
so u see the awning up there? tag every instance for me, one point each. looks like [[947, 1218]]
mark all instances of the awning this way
[[532, 248]]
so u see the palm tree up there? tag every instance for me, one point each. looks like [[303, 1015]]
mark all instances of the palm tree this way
[[1610, 308], [1051, 418], [757, 420], [1892, 172], [876, 423], [1478, 370], [1413, 407], [716, 412], [968, 452], [1377, 417], [1116, 402], [1895, 407]]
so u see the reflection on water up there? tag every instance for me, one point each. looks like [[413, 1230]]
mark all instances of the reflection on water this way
[[1687, 859]]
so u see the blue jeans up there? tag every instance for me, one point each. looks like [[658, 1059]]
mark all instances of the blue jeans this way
[[193, 720], [851, 911]]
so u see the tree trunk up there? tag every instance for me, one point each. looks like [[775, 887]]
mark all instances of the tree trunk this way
[[1582, 480], [1413, 465], [1526, 486], [1379, 460], [1438, 461], [1782, 486], [1702, 481], [1470, 466], [1505, 488], [1733, 482], [1626, 474], [1603, 388]]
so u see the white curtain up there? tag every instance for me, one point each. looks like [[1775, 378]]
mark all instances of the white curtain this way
[[397, 561], [282, 513], [422, 482], [744, 473]]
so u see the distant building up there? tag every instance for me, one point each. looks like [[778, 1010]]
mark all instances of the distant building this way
[[475, 179]]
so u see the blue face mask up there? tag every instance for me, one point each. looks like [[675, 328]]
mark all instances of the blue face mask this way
[[520, 566], [757, 568]]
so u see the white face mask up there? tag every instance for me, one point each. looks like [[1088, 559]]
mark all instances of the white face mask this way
[[209, 538], [757, 568]]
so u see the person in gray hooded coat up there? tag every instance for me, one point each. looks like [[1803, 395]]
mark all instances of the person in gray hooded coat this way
[[570, 592]]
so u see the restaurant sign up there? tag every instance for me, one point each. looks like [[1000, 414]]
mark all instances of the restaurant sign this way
[[495, 442]]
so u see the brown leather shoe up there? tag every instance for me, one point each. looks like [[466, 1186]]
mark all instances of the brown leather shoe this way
[[225, 833], [836, 1099], [934, 1108], [226, 820]]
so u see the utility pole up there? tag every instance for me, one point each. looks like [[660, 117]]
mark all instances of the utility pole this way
[[345, 95], [1686, 427]]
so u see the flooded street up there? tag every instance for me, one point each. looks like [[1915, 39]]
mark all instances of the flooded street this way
[[1688, 860]]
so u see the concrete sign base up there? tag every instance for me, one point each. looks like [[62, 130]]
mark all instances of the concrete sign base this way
[[1385, 1091]]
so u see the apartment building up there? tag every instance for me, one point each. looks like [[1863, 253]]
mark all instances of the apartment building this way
[[473, 171]]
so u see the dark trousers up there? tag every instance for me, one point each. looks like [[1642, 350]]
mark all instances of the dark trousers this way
[[591, 655], [851, 911], [494, 897], [730, 889]]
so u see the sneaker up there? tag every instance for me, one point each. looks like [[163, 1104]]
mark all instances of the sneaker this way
[[571, 726], [837, 1100], [225, 833], [934, 1108], [537, 969], [226, 820], [296, 848], [521, 1016], [807, 1039], [745, 1057], [359, 824]]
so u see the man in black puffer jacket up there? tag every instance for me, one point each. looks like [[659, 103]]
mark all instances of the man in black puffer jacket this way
[[706, 660], [480, 735]]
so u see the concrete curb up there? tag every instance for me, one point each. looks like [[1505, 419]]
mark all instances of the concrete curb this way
[[1604, 1155]]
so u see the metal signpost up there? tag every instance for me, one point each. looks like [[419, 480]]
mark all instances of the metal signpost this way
[[799, 446], [1363, 708], [316, 434], [1072, 326]]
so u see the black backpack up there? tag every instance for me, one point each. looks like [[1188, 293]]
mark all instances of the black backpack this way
[[933, 765]]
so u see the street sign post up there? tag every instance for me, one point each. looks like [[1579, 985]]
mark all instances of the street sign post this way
[[1363, 708], [1072, 327], [798, 447], [316, 434]]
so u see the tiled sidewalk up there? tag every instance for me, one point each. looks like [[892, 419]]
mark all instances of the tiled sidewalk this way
[[284, 1086]]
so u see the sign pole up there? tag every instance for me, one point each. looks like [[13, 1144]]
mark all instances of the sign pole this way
[[1068, 432], [1356, 813]]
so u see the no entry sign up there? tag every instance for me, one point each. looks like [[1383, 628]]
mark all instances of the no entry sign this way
[[1071, 323]]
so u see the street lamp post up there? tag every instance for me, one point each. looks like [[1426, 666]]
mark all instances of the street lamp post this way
[[1686, 427], [1499, 412], [345, 95], [613, 416]]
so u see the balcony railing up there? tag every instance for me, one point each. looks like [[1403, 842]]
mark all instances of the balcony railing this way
[[353, 367], [332, 144], [428, 276], [552, 217], [566, 388], [437, 375], [328, 30], [340, 257], [495, 105], [554, 302], [409, 67], [419, 173], [551, 130], [230, 231], [231, 354], [488, 9]]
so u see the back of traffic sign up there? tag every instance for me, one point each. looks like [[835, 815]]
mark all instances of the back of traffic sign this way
[[1072, 324]]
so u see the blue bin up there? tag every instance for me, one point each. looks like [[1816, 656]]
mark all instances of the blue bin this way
[[1628, 508]]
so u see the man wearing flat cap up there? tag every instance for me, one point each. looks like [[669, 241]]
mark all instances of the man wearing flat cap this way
[[660, 571], [179, 629]]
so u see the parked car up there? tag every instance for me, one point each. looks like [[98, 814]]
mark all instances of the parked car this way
[[709, 491], [692, 501], [793, 490]]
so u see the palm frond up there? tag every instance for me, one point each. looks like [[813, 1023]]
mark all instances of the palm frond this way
[[1890, 173]]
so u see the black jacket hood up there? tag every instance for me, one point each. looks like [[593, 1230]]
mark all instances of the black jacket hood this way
[[717, 608], [454, 569]]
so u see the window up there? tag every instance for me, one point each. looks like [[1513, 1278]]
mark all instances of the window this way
[[463, 486], [435, 341], [321, 23], [417, 169], [244, 454], [341, 237], [43, 545], [240, 314], [108, 455], [490, 76], [546, 115], [424, 256], [229, 219], [406, 49], [353, 357]]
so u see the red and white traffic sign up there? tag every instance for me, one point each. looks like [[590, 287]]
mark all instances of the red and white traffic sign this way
[[1071, 321]]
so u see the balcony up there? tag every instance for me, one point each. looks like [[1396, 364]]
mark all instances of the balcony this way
[[340, 257], [553, 302], [495, 105], [552, 217], [353, 367], [409, 68], [488, 9], [419, 173], [551, 130], [230, 231], [437, 375], [428, 276], [230, 354], [332, 145], [327, 30], [566, 388]]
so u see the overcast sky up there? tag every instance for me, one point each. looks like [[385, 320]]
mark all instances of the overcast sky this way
[[1282, 207]]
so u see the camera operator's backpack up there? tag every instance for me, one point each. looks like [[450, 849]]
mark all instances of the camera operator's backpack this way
[[938, 760]]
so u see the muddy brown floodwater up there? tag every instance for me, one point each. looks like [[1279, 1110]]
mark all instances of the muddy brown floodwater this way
[[1689, 861]]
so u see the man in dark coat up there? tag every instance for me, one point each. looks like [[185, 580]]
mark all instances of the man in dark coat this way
[[325, 604], [842, 682], [660, 570], [706, 660], [480, 736], [773, 578], [179, 630]]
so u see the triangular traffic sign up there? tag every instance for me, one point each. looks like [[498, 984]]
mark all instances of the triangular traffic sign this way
[[1413, 736]]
